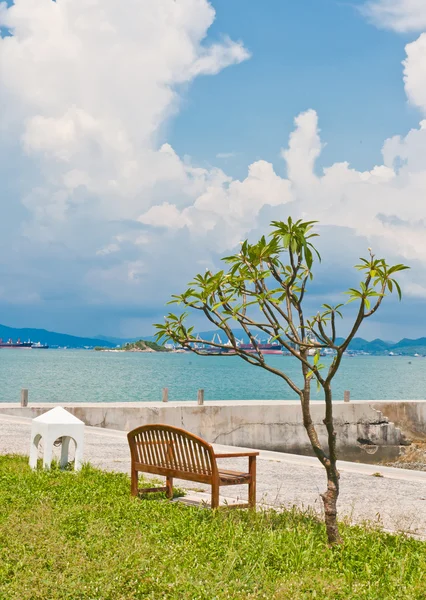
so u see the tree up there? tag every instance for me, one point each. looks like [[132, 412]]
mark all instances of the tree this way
[[263, 292]]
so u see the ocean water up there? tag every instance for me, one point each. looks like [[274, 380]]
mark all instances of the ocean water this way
[[89, 376]]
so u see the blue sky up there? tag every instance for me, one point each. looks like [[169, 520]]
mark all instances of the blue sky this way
[[320, 54], [140, 141]]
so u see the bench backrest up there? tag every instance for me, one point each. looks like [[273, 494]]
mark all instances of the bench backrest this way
[[171, 449]]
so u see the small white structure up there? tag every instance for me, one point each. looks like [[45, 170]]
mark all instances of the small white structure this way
[[54, 424]]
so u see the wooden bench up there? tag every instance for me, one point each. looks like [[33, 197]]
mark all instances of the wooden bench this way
[[173, 452]]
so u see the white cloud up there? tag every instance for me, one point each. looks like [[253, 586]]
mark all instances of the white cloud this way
[[404, 16], [226, 209], [88, 85], [415, 72], [86, 90], [400, 15], [385, 205], [110, 215], [165, 215]]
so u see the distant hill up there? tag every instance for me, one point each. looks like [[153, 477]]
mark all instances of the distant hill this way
[[406, 346], [376, 346], [49, 337], [143, 346]]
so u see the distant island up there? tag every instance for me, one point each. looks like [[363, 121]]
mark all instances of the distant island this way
[[139, 346]]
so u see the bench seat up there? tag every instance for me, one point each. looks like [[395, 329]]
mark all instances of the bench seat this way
[[175, 453]]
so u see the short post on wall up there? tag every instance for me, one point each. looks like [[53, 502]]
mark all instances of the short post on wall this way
[[200, 397], [49, 427], [346, 396], [165, 394], [24, 397]]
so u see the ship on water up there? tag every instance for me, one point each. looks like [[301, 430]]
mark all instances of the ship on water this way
[[264, 348], [39, 346], [228, 350], [18, 344]]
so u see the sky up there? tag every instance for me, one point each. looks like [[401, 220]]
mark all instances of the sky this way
[[141, 141]]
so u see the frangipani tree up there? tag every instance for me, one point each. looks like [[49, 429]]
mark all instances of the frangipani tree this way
[[263, 290]]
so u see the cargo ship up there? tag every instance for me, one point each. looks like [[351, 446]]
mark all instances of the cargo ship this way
[[11, 344], [18, 344], [226, 349], [264, 348]]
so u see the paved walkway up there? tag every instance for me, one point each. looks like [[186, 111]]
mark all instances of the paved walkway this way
[[397, 500]]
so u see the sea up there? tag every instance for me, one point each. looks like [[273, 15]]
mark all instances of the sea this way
[[89, 376]]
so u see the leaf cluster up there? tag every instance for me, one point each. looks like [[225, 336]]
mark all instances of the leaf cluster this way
[[263, 291]]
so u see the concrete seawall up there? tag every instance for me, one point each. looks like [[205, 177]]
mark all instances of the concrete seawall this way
[[409, 415], [364, 430]]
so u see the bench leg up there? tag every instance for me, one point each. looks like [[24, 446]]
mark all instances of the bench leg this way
[[215, 494], [134, 482], [252, 484], [169, 487]]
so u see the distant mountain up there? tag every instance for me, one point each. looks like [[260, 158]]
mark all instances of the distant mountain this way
[[375, 347], [49, 337], [406, 343], [406, 346]]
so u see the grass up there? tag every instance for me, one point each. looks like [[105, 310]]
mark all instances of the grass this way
[[65, 535]]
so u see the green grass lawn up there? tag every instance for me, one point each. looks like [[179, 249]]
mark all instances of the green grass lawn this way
[[66, 535]]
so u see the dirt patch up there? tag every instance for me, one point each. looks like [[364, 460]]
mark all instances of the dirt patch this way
[[411, 457]]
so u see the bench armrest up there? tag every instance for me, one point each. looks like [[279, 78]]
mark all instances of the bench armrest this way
[[235, 454]]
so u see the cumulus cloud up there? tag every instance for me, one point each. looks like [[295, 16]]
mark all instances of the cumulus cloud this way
[[101, 211], [415, 73], [384, 205], [226, 209], [86, 90], [405, 16], [399, 15]]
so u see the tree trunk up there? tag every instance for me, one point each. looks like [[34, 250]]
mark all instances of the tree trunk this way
[[329, 499], [331, 495]]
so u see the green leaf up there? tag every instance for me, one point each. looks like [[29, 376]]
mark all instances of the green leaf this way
[[398, 289]]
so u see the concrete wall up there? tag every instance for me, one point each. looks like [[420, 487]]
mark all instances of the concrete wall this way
[[363, 433], [409, 415]]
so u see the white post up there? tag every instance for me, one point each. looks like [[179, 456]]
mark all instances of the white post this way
[[24, 397], [165, 394], [200, 398], [346, 396]]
